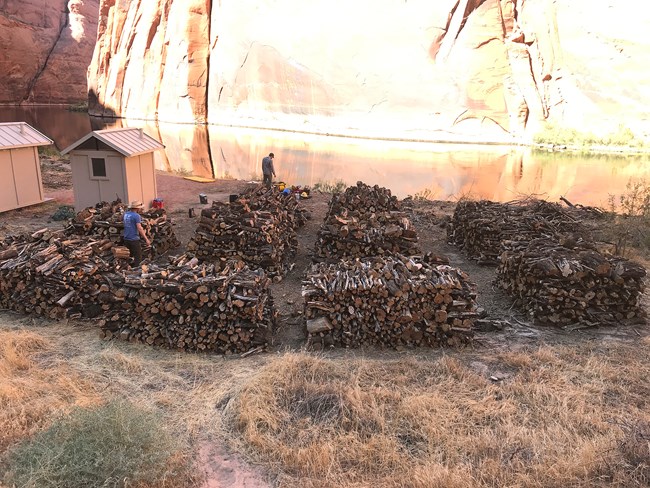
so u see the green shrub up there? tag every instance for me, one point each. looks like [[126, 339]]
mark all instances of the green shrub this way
[[116, 445], [183, 171], [64, 212], [425, 195], [631, 223], [337, 186], [78, 107], [49, 151]]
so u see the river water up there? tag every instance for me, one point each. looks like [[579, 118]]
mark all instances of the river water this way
[[436, 171]]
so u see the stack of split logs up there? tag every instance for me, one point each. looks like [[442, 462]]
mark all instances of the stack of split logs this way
[[479, 227], [104, 221], [259, 228], [364, 221], [54, 275], [391, 301], [570, 284], [371, 285], [223, 306]]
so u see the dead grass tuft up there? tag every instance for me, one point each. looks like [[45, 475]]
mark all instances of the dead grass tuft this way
[[555, 422], [31, 394], [635, 449]]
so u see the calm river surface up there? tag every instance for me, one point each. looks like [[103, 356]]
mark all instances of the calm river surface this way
[[440, 171]]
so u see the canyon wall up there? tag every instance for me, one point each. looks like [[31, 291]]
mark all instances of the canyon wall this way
[[413, 69], [45, 50], [408, 69]]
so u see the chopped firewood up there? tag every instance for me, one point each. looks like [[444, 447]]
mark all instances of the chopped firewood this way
[[224, 307], [364, 221], [479, 227], [105, 221], [259, 228], [562, 285], [392, 301]]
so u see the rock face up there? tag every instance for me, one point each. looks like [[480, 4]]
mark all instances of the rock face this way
[[451, 69], [45, 50]]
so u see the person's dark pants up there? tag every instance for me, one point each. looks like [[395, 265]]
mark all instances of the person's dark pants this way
[[267, 180], [135, 249]]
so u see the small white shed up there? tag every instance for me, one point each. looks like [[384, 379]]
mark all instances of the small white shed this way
[[113, 163], [20, 168]]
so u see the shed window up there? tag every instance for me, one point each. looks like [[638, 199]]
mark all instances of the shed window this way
[[98, 168]]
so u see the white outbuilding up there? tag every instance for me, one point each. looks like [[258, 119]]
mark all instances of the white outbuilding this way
[[113, 163], [20, 168]]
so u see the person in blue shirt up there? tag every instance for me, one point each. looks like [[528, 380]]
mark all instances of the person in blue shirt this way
[[133, 231], [267, 169]]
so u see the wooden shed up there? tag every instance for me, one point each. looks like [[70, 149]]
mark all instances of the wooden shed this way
[[20, 168], [113, 163]]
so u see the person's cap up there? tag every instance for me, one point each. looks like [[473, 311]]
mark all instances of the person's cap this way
[[136, 204]]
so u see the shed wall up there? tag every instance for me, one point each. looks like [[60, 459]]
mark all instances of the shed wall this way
[[20, 178], [89, 191]]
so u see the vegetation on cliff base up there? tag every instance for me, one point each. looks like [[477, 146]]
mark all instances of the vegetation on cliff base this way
[[557, 135], [79, 107]]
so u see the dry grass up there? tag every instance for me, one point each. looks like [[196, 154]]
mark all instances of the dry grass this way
[[31, 393], [559, 420], [561, 416], [45, 371], [116, 445]]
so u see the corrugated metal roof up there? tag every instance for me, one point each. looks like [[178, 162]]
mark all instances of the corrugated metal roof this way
[[20, 134], [128, 142]]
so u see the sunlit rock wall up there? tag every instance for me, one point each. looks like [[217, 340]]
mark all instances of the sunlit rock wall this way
[[151, 60], [45, 49], [412, 69]]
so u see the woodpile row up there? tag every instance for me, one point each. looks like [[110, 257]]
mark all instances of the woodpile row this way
[[480, 227], [105, 221], [569, 285], [364, 221], [258, 228], [221, 306], [224, 306], [390, 301], [53, 275]]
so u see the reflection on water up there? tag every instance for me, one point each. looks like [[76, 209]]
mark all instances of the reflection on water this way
[[439, 170]]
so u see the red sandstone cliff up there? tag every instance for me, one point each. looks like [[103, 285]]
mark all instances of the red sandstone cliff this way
[[452, 69], [45, 50], [414, 69]]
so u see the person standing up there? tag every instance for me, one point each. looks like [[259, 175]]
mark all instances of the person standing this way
[[133, 231], [267, 169]]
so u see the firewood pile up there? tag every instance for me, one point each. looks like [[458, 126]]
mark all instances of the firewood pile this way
[[391, 301], [259, 228], [104, 221], [479, 227], [50, 274], [364, 199], [571, 284], [364, 221], [223, 306]]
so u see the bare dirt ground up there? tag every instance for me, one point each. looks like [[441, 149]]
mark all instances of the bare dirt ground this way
[[219, 467]]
